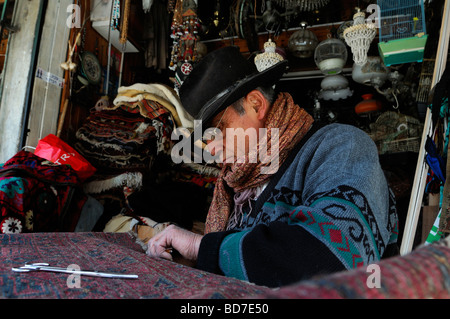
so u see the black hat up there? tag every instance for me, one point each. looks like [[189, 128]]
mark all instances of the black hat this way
[[221, 78]]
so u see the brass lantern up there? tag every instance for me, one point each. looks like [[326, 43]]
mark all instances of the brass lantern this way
[[303, 42]]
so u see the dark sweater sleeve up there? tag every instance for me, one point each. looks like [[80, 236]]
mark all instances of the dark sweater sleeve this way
[[274, 255], [208, 255]]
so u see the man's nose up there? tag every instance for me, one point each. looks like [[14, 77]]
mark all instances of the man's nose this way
[[211, 146]]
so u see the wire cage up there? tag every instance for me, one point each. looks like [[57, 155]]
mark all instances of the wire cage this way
[[394, 132], [402, 31], [426, 77]]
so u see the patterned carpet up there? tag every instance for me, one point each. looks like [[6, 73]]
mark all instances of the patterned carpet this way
[[117, 253], [422, 274], [425, 273]]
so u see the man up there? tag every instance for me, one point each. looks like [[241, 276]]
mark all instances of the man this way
[[327, 208]]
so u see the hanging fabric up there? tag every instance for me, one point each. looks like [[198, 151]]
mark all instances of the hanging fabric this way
[[125, 22], [147, 5], [441, 92], [434, 160], [156, 32]]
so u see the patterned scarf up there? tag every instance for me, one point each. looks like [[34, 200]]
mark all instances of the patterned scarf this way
[[292, 124]]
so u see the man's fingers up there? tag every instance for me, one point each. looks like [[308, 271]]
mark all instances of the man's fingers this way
[[159, 246], [166, 255], [185, 242]]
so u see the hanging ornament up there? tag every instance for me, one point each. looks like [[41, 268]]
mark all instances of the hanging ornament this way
[[171, 5], [115, 18], [373, 73], [269, 57], [184, 32], [69, 65], [359, 37], [368, 105], [335, 87], [186, 68]]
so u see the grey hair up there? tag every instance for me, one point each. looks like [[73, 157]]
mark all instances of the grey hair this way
[[267, 92], [238, 106]]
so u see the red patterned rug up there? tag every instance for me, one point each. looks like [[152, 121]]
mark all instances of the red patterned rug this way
[[116, 253], [422, 274]]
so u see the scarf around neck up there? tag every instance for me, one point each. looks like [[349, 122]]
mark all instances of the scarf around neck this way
[[286, 125]]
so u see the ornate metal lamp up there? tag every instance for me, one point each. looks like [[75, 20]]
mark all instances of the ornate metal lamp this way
[[303, 5], [303, 42]]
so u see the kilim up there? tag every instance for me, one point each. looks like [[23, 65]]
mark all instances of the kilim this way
[[38, 196], [105, 252], [423, 274], [117, 140]]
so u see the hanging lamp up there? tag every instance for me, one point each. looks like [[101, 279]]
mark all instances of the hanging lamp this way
[[330, 56], [303, 42], [372, 73], [335, 87], [359, 36], [303, 5]]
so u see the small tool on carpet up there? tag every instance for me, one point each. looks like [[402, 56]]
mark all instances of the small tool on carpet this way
[[47, 267]]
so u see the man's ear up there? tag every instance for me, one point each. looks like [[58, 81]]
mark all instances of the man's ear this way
[[259, 103]]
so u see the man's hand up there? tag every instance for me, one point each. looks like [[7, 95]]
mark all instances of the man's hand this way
[[173, 237]]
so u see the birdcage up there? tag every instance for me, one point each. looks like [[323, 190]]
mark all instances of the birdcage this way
[[426, 77], [402, 31]]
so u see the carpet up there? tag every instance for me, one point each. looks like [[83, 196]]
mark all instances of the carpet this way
[[106, 252]]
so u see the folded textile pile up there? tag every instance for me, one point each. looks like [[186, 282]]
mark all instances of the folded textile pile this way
[[160, 93], [117, 141], [138, 126], [123, 141]]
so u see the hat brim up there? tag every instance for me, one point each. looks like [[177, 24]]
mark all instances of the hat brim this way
[[224, 99]]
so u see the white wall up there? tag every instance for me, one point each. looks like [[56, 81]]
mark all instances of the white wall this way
[[46, 98], [15, 78]]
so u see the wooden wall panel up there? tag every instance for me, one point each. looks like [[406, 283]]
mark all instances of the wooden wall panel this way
[[81, 103]]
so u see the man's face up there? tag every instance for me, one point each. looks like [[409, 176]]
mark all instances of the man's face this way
[[235, 135]]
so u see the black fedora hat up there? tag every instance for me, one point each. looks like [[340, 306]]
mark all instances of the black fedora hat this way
[[221, 78]]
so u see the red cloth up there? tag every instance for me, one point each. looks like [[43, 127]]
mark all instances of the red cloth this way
[[38, 197]]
